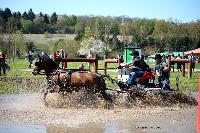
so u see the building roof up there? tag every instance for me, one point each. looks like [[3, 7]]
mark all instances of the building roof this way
[[194, 51], [132, 47]]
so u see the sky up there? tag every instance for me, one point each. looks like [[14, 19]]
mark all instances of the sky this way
[[180, 10]]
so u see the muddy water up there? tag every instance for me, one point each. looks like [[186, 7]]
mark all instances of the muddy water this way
[[26, 113], [139, 126]]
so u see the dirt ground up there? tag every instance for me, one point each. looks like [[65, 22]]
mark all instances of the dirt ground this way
[[27, 111]]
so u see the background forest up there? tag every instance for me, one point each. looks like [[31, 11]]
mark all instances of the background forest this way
[[106, 35]]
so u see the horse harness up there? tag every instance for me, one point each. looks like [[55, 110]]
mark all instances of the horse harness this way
[[64, 82]]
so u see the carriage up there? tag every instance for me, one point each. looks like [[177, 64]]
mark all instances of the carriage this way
[[62, 81]]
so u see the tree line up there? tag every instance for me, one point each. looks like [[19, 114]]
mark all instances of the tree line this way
[[113, 33]]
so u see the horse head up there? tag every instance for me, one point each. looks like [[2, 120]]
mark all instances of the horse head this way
[[45, 63]]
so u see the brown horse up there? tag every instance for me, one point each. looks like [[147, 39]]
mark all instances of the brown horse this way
[[69, 81]]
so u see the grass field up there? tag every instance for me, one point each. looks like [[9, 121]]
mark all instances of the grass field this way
[[19, 68]]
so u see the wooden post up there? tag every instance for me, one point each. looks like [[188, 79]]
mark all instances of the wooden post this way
[[65, 63], [169, 62], [189, 69], [119, 60], [96, 63], [105, 65], [183, 69], [198, 112], [54, 56], [105, 68]]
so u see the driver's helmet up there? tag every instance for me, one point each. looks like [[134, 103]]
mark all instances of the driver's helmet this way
[[158, 56]]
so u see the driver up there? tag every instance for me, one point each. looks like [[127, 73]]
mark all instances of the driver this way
[[139, 69]]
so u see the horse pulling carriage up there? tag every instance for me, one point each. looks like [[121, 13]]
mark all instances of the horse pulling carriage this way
[[61, 81]]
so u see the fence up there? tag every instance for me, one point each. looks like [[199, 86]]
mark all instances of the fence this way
[[182, 61]]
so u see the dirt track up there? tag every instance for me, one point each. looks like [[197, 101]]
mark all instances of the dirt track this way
[[28, 108]]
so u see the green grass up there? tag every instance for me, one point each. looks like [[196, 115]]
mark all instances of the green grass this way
[[5, 88], [185, 84], [19, 68]]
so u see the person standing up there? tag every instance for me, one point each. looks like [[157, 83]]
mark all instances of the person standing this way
[[30, 58], [178, 63], [172, 64], [61, 55], [89, 57], [81, 67], [57, 57], [193, 60]]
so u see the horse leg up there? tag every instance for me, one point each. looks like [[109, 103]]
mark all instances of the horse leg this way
[[106, 96], [4, 71]]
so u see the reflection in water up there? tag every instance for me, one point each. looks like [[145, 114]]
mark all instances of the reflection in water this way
[[21, 128], [117, 127], [110, 127], [94, 128]]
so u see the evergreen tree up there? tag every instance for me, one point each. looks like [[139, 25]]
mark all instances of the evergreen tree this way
[[53, 18], [46, 19], [3, 15], [41, 14], [17, 15], [31, 15], [2, 25], [7, 13], [25, 16]]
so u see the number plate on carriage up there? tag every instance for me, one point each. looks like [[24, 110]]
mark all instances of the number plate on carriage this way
[[150, 80]]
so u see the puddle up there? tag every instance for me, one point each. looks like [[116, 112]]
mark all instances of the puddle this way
[[109, 127], [18, 113], [21, 101], [21, 128]]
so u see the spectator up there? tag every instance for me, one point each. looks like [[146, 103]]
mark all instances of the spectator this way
[[142, 57], [89, 56], [30, 58], [57, 57], [193, 59], [179, 64], [18, 53], [61, 55], [172, 64], [81, 67]]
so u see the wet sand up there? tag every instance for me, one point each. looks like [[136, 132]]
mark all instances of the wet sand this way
[[26, 111]]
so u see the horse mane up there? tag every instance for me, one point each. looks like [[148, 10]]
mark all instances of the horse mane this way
[[45, 57], [53, 63]]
